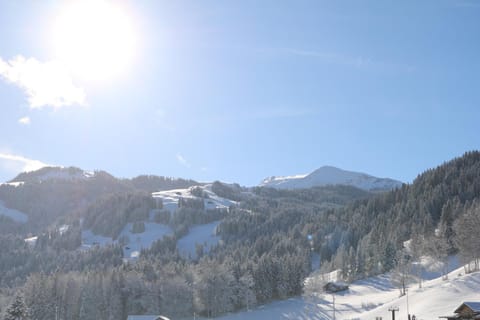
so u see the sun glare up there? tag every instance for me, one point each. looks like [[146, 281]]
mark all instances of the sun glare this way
[[95, 39]]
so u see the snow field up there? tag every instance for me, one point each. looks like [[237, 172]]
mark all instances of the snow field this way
[[15, 215], [170, 198], [372, 297], [135, 241], [203, 234]]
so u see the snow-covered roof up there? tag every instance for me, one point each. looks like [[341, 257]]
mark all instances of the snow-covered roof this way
[[475, 306]]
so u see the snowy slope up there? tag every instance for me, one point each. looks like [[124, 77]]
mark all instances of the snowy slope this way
[[201, 234], [13, 184], [212, 201], [138, 241], [204, 235], [65, 174], [15, 215], [135, 241], [436, 298], [328, 175], [52, 173], [372, 297]]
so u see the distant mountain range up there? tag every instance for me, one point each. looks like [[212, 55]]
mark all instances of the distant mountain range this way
[[328, 175]]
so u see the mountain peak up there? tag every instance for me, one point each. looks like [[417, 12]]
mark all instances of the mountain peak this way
[[53, 173], [330, 175], [325, 169]]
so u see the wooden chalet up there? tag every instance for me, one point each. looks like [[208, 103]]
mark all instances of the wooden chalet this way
[[466, 311]]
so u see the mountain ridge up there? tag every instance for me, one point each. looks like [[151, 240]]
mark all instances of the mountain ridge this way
[[330, 175]]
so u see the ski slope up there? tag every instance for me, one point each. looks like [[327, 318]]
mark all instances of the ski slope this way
[[135, 242], [204, 235], [170, 198], [372, 297], [201, 234], [13, 214]]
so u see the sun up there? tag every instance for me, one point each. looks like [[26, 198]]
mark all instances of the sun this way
[[95, 39]]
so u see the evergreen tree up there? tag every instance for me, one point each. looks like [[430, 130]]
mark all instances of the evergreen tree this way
[[17, 310], [401, 275], [389, 256]]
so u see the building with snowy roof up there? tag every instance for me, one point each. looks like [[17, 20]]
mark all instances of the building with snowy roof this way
[[466, 311]]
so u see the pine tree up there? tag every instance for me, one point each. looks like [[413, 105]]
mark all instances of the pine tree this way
[[39, 297], [389, 257], [17, 310]]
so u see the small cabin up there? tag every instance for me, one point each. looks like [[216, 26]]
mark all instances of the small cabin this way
[[332, 287], [466, 311]]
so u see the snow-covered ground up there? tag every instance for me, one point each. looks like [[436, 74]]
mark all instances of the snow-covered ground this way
[[436, 298], [212, 201], [31, 241], [372, 297], [202, 234], [137, 241], [90, 239], [13, 183], [134, 241], [12, 213]]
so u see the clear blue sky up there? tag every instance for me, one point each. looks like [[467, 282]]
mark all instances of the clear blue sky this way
[[241, 90]]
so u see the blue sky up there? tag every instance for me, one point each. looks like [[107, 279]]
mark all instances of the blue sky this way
[[241, 90]]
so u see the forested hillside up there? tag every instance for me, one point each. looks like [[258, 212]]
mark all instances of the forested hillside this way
[[55, 195], [372, 231], [268, 239]]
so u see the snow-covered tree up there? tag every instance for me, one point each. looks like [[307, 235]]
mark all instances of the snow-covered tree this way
[[176, 297], [388, 259], [17, 310], [40, 297], [417, 250], [213, 289], [245, 291], [438, 247], [401, 274], [466, 239], [314, 291]]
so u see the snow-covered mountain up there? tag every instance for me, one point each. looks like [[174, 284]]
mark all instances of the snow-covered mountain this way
[[328, 175], [52, 173]]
